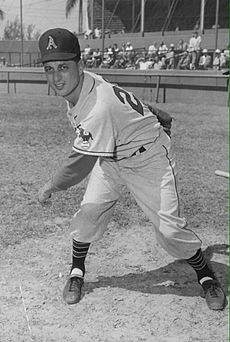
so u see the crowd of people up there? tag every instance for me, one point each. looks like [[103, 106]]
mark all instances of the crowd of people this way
[[183, 56]]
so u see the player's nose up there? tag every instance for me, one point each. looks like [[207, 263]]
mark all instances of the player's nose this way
[[56, 75]]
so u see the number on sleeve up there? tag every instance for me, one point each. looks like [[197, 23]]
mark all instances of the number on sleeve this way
[[124, 97]]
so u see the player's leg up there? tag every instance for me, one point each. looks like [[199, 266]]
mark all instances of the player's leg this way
[[90, 222], [154, 187]]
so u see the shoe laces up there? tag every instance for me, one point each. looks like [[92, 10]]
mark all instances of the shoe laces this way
[[211, 288], [75, 284], [213, 291]]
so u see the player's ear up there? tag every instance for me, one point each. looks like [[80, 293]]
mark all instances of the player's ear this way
[[80, 67]]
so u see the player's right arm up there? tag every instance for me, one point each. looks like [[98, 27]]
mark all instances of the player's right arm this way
[[72, 173]]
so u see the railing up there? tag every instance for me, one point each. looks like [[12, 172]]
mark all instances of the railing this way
[[162, 79], [22, 75]]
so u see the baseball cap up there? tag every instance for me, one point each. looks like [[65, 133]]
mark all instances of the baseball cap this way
[[205, 51], [58, 44]]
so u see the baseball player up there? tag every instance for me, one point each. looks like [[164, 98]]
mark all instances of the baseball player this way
[[119, 141]]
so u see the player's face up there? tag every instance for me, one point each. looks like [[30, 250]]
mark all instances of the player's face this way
[[64, 77]]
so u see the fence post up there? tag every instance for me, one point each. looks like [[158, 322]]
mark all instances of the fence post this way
[[157, 88], [8, 82], [164, 94]]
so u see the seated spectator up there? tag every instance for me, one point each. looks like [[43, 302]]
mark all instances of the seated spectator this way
[[96, 58], [129, 66], [185, 61], [87, 53], [139, 59], [116, 49], [152, 50], [223, 60], [108, 59], [205, 61], [122, 50], [162, 49], [181, 46], [170, 57], [226, 52], [120, 62], [159, 63], [129, 52], [144, 63], [110, 50], [216, 60], [128, 47]]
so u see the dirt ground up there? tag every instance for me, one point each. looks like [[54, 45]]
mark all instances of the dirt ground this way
[[134, 291], [131, 294]]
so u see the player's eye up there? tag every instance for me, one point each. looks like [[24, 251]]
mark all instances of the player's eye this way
[[63, 67], [48, 69]]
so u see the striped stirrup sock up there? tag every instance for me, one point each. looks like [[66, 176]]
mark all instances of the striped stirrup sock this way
[[80, 250], [200, 266]]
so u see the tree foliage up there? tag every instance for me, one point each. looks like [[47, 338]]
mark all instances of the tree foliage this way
[[12, 31]]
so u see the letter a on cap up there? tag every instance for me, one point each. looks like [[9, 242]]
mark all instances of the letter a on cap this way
[[51, 44]]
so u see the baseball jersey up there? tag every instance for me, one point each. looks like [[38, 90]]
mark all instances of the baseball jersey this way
[[110, 121]]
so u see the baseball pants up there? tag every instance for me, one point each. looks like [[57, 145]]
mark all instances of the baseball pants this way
[[151, 179]]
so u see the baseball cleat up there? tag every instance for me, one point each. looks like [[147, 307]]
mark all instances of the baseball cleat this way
[[214, 295], [72, 290]]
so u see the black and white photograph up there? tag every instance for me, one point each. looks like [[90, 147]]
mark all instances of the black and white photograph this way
[[114, 154]]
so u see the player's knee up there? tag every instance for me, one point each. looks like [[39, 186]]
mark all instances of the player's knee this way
[[172, 227], [167, 232], [88, 224], [87, 215], [84, 224]]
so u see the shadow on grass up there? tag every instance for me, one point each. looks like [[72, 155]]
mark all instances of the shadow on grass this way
[[176, 278]]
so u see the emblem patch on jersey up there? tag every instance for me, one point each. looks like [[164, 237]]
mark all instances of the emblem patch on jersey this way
[[85, 137], [51, 44]]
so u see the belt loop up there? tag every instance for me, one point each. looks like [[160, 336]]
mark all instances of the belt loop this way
[[139, 151]]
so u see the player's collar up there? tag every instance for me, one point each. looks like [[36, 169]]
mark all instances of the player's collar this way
[[87, 87]]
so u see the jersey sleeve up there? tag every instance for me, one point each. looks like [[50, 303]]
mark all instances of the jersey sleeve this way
[[96, 134], [72, 172]]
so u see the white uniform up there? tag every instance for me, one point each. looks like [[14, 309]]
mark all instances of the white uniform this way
[[134, 151]]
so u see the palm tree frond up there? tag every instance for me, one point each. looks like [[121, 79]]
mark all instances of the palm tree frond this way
[[69, 6], [1, 14]]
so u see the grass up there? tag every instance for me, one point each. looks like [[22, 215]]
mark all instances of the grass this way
[[36, 137]]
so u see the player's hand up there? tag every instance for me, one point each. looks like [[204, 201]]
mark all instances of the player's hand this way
[[44, 193]]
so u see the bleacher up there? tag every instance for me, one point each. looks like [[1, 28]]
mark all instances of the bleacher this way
[[120, 14]]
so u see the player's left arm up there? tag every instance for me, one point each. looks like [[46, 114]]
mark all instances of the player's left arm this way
[[72, 173], [163, 117]]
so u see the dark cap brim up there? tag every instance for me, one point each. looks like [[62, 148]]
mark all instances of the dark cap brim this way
[[58, 56]]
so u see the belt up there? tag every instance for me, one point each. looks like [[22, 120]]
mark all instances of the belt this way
[[141, 150]]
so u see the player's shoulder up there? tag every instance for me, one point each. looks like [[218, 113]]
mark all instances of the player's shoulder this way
[[104, 89], [96, 77]]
